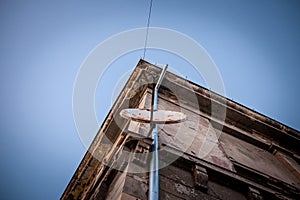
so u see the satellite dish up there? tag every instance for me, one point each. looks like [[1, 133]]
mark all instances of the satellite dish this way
[[159, 116]]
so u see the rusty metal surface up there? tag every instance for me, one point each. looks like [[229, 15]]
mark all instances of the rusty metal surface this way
[[159, 116]]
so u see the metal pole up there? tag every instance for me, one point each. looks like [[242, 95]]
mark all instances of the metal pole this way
[[154, 175]]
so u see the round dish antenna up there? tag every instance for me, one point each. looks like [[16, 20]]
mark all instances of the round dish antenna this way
[[159, 116]]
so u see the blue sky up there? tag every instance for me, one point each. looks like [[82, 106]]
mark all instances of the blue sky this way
[[255, 45]]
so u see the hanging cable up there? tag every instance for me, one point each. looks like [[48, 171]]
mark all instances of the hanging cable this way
[[147, 31]]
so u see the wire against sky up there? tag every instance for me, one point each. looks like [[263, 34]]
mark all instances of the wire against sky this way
[[147, 31]]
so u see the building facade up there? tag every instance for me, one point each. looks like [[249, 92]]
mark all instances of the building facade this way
[[222, 151]]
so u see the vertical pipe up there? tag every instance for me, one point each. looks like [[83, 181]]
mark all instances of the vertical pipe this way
[[154, 165]]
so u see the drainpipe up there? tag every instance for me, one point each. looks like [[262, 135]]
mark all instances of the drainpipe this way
[[154, 173]]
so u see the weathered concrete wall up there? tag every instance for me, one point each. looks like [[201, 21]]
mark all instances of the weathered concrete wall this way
[[254, 157], [257, 159], [195, 136]]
